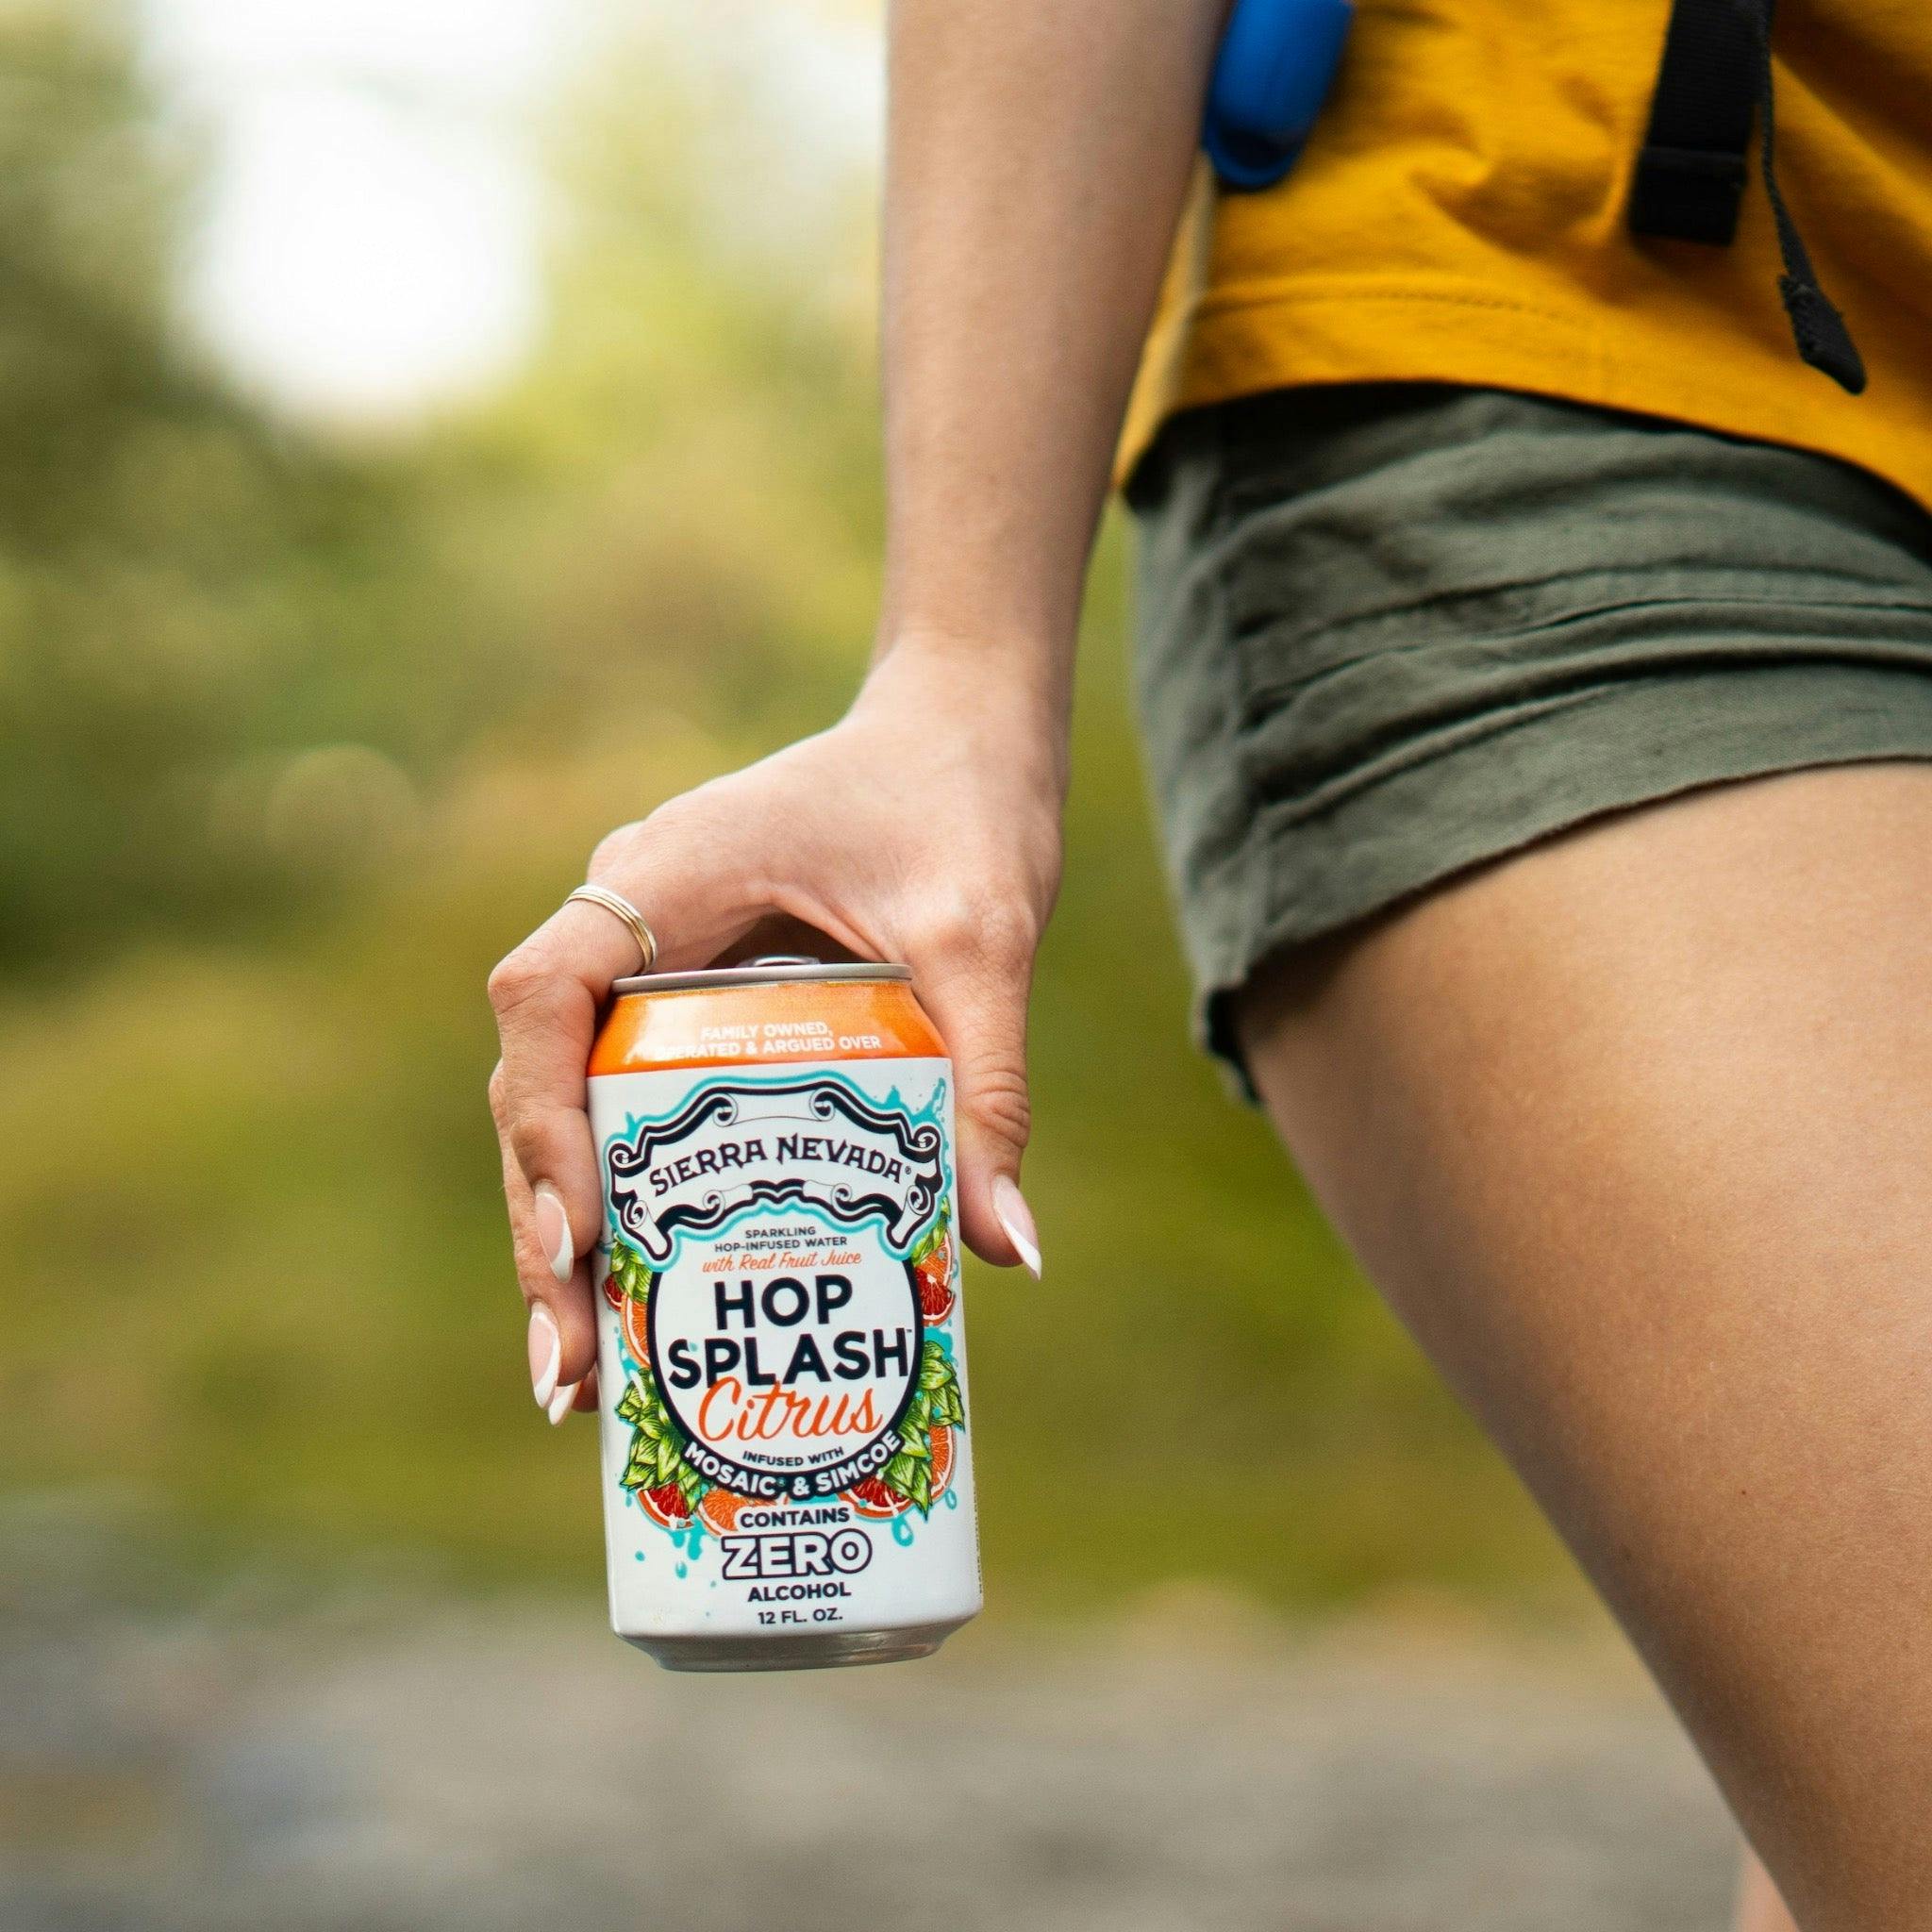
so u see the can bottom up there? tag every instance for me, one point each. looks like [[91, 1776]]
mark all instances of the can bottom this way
[[813, 1650]]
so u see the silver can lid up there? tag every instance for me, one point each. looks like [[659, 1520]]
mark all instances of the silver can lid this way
[[776, 971]]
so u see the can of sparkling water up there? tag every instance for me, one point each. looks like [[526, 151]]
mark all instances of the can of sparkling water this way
[[781, 1365]]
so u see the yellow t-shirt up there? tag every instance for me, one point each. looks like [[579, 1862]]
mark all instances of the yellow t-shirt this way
[[1458, 216]]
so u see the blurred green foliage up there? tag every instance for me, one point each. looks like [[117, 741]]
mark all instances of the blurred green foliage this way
[[296, 739]]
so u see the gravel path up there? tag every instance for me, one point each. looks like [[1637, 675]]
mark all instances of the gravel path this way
[[418, 1768]]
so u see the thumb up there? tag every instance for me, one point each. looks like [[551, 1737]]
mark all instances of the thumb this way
[[977, 1000]]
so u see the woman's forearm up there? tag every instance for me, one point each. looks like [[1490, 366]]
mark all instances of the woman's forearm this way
[[1038, 156]]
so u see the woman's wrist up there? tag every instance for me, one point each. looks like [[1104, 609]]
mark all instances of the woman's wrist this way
[[1026, 672], [1007, 695], [1000, 598]]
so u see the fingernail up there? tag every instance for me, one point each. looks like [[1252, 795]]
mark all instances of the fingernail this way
[[553, 1230], [1014, 1215], [546, 1354], [560, 1402]]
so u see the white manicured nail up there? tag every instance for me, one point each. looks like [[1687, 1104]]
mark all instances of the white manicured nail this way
[[546, 1354], [560, 1402], [1009, 1206], [553, 1230]]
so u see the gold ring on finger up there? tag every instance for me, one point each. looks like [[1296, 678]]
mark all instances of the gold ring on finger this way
[[620, 907]]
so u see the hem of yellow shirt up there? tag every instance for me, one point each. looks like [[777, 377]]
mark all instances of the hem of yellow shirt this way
[[1246, 339]]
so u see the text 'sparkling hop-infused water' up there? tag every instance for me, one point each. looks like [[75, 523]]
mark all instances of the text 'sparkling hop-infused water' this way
[[781, 1357]]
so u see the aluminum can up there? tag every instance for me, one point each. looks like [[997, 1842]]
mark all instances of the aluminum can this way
[[781, 1366]]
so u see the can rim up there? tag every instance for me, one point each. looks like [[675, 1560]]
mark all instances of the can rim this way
[[764, 972]]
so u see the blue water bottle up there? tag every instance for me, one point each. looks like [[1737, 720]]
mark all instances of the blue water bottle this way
[[1277, 62]]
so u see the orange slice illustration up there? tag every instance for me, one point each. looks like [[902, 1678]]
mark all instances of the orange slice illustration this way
[[631, 1316]]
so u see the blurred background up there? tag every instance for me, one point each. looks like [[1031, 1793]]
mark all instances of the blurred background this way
[[432, 432]]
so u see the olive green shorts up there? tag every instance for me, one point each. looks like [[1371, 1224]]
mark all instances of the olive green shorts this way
[[1389, 632]]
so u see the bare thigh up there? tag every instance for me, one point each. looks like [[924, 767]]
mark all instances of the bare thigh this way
[[1635, 1131]]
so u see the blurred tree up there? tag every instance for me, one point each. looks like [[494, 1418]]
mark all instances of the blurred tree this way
[[190, 592]]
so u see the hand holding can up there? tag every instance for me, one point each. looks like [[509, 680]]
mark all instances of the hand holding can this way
[[925, 827]]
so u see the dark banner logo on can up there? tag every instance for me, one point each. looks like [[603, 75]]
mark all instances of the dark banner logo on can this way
[[741, 1146]]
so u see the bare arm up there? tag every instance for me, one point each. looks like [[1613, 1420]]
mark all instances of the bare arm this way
[[1036, 159], [1039, 153]]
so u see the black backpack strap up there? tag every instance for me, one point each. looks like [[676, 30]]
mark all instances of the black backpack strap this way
[[1690, 174], [1819, 329]]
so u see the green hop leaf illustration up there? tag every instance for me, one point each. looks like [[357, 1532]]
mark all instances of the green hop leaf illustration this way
[[939, 1387], [929, 1242], [630, 1271], [640, 1469], [656, 1444]]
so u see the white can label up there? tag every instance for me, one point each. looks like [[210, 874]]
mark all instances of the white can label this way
[[782, 1364]]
